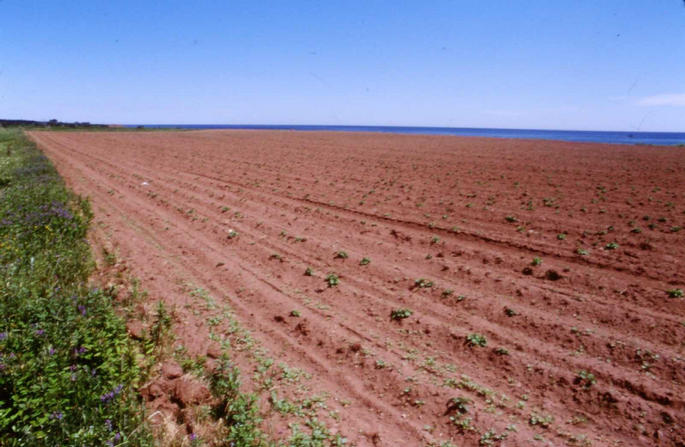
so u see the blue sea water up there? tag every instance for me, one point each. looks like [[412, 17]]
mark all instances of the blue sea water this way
[[588, 136]]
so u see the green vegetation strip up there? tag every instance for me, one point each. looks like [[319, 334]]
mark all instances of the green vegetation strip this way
[[68, 373]]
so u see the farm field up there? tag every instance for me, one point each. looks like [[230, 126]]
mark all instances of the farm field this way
[[418, 290]]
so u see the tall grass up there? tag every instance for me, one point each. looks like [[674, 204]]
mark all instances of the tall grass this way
[[67, 368]]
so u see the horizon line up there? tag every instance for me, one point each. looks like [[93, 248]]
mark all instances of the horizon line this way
[[399, 127]]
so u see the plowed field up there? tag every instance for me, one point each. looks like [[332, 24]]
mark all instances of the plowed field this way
[[537, 274]]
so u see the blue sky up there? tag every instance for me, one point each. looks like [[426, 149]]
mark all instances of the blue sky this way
[[581, 64]]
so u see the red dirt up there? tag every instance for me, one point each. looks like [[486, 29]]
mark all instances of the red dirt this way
[[431, 207]]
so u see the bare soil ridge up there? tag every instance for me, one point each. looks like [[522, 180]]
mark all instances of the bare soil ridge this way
[[585, 348]]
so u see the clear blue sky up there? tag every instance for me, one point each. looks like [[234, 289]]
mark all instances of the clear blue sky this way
[[552, 64]]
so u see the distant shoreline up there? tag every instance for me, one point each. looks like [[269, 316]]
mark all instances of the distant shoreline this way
[[585, 136]]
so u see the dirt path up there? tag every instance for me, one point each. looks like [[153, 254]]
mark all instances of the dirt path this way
[[584, 349]]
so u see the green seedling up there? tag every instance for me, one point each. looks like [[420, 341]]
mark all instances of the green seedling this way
[[476, 340], [341, 255], [400, 314], [675, 293], [423, 283], [365, 261], [536, 261], [332, 280], [585, 378], [509, 312]]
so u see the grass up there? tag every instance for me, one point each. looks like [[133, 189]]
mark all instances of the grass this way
[[68, 370]]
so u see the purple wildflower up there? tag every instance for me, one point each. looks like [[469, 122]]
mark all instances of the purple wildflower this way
[[3, 335], [192, 436], [82, 309], [40, 331], [117, 436], [51, 351], [57, 415], [112, 394]]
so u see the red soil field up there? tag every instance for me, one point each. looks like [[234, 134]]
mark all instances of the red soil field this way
[[585, 348]]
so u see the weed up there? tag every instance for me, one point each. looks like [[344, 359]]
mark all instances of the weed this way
[[308, 272], [536, 261], [511, 219], [502, 351], [581, 252], [295, 313], [446, 293], [68, 370], [239, 411], [365, 261], [611, 246], [341, 255], [561, 236], [435, 240], [232, 234]]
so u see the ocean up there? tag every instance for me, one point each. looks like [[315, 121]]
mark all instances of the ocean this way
[[587, 136]]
